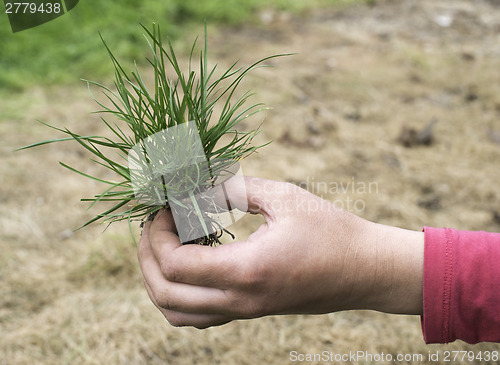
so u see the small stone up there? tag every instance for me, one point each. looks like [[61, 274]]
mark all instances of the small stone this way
[[66, 234]]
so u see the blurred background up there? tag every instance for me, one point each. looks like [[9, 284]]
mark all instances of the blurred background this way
[[391, 109]]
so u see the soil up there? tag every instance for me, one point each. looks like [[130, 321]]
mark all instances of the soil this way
[[400, 94]]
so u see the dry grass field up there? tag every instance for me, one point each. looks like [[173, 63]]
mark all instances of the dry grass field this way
[[348, 110]]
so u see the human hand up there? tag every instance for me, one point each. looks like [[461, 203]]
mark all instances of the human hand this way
[[309, 257]]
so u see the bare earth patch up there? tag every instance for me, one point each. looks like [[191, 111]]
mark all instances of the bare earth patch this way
[[346, 113]]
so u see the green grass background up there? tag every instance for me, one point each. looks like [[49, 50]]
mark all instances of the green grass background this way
[[69, 47]]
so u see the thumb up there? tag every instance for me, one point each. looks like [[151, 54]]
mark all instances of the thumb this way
[[254, 195]]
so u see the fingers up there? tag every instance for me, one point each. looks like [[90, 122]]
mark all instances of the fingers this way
[[171, 295], [183, 298], [161, 236], [254, 195], [189, 264], [179, 319], [165, 221], [163, 256], [217, 267], [198, 285], [247, 194], [200, 321]]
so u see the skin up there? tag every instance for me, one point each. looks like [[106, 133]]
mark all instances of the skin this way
[[308, 258]]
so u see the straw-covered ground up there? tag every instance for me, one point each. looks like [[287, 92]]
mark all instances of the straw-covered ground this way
[[348, 121]]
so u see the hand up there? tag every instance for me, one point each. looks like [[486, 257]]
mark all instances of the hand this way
[[309, 257]]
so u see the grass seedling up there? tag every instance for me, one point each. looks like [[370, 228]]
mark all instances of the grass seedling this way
[[140, 112]]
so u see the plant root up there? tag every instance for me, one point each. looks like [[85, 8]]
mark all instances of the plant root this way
[[212, 239]]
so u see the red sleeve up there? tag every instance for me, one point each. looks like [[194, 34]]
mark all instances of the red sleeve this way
[[461, 286]]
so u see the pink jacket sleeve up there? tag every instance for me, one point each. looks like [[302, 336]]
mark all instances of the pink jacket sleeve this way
[[461, 286]]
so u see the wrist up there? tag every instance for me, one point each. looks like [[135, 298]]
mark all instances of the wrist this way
[[398, 277]]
